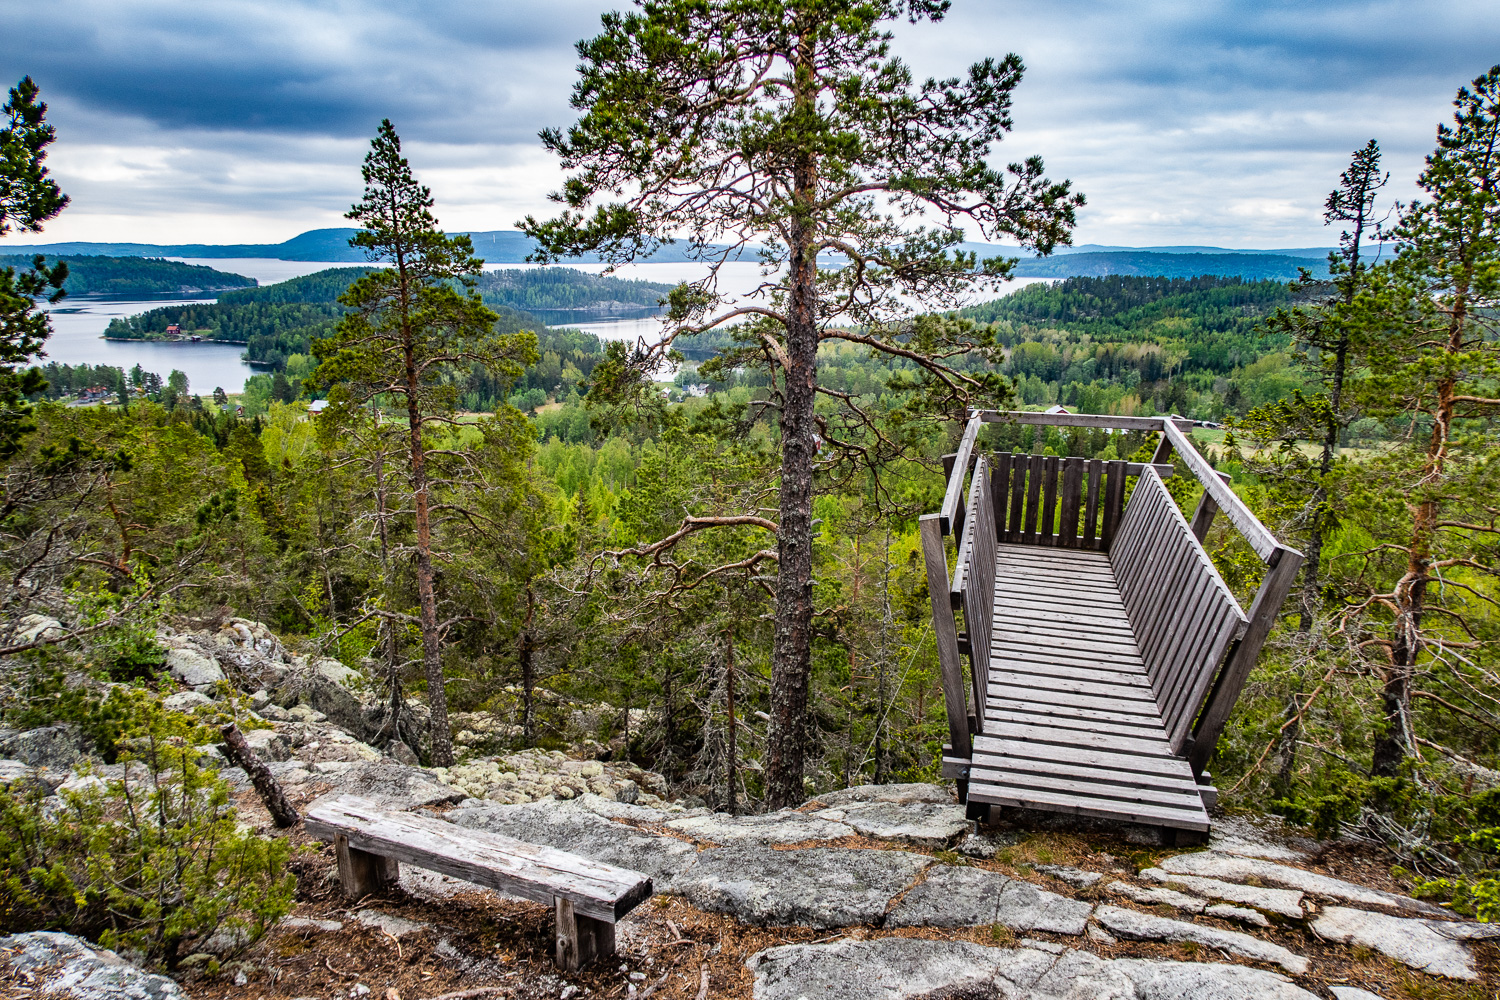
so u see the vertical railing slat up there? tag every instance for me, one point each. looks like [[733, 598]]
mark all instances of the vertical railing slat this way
[[1091, 514]]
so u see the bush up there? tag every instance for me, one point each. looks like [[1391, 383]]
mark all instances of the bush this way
[[151, 862]]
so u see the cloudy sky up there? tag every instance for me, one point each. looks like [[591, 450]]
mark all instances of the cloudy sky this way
[[1218, 122]]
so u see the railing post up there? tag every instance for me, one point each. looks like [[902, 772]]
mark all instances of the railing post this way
[[1280, 575], [1203, 517], [945, 632]]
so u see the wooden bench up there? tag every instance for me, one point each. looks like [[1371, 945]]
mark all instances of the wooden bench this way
[[588, 897]]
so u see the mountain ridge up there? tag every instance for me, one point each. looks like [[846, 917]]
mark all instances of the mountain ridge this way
[[510, 246]]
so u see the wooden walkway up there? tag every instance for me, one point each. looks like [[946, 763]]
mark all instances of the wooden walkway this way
[[1071, 722], [1105, 651]]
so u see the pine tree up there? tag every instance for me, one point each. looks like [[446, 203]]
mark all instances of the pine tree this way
[[1434, 359], [28, 198], [411, 326], [785, 131]]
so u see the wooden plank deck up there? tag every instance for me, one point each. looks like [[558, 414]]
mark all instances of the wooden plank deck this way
[[1071, 721]]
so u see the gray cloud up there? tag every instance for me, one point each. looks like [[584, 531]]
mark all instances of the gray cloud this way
[[1211, 122]]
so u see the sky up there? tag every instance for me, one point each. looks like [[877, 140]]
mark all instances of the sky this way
[[1212, 122]]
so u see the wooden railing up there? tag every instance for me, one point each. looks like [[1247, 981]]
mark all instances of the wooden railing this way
[[1183, 615], [1076, 503], [973, 588]]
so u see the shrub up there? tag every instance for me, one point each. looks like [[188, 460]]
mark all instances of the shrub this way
[[151, 862]]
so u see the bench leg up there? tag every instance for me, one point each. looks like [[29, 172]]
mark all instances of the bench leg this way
[[364, 874], [580, 939]]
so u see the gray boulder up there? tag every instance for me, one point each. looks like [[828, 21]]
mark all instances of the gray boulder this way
[[973, 897], [395, 786], [57, 747], [268, 744], [342, 706], [17, 774], [65, 966], [197, 670], [570, 826], [819, 887], [185, 701], [917, 969], [34, 627]]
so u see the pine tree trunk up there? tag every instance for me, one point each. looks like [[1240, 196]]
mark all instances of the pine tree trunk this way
[[1394, 739], [731, 778], [528, 674], [791, 651], [432, 658]]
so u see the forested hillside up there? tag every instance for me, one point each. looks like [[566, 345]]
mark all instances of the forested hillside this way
[[277, 323], [1143, 345], [136, 277]]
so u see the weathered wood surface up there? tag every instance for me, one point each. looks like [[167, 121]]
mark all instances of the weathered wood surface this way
[[580, 939], [1077, 420], [945, 633], [974, 578], [1097, 683], [953, 498], [596, 890], [1072, 721], [1183, 615], [1045, 501]]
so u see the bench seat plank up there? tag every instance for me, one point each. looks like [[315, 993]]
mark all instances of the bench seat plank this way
[[532, 871]]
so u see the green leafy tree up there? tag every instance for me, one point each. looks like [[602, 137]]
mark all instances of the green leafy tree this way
[[785, 130], [1434, 362], [28, 198], [411, 327]]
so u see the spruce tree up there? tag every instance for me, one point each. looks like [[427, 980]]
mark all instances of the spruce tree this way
[[784, 131]]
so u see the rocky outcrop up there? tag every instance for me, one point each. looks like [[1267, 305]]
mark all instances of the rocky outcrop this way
[[816, 887], [974, 897], [1139, 926], [534, 775], [1432, 946], [55, 748], [916, 969], [1227, 868], [396, 786], [573, 826], [61, 965]]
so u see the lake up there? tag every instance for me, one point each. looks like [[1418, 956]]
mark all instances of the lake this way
[[78, 323]]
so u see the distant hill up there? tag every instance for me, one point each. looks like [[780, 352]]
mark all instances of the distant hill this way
[[509, 246], [1248, 266], [505, 246], [132, 277], [277, 321]]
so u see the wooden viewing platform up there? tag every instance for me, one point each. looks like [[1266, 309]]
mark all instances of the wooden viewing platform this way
[[1105, 650]]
